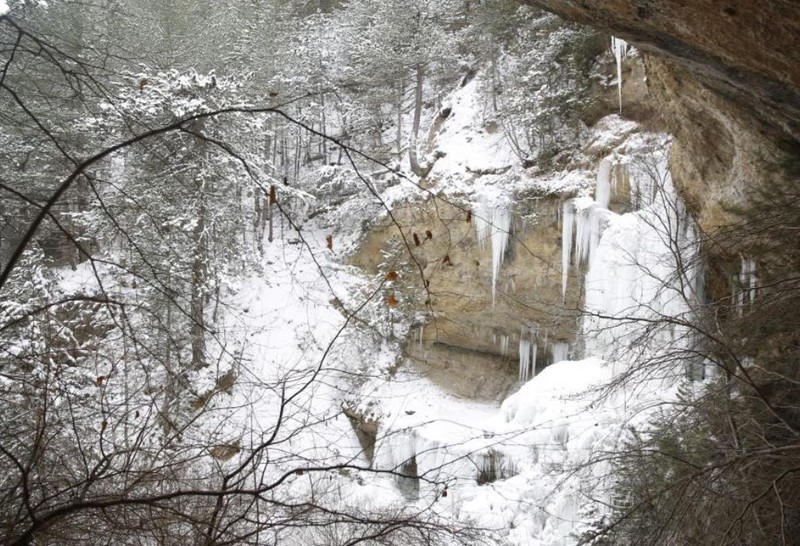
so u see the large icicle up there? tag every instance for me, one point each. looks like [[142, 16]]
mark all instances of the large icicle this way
[[747, 282], [603, 189], [560, 352], [501, 224], [567, 223], [524, 357], [620, 48], [493, 224]]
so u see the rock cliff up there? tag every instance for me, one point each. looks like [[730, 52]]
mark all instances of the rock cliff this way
[[726, 76]]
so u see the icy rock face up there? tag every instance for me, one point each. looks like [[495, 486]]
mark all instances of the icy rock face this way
[[523, 469], [639, 265], [493, 227], [492, 285], [710, 39], [731, 100]]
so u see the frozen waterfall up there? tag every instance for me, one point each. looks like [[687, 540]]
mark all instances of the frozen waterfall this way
[[645, 268]]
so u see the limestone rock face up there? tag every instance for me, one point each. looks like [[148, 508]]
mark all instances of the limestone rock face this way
[[744, 51], [725, 74], [469, 339]]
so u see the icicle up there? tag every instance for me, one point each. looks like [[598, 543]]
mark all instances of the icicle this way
[[566, 243], [524, 357], [504, 345], [534, 354], [582, 236], [421, 334], [560, 352], [482, 227], [747, 282], [493, 224], [620, 48], [603, 189], [500, 231]]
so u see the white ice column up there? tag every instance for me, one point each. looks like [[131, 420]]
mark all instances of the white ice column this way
[[620, 49], [603, 188], [524, 357], [567, 224], [493, 225]]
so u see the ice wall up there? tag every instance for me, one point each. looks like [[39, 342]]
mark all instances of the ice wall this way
[[583, 221], [642, 265], [645, 269]]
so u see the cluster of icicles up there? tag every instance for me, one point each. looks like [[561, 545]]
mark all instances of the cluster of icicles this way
[[583, 218], [529, 350], [493, 221], [493, 225]]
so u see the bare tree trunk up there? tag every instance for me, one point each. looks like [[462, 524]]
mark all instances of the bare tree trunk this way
[[323, 130], [416, 168], [198, 284], [199, 237], [400, 93], [273, 200]]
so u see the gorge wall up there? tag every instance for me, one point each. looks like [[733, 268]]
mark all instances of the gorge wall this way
[[725, 74], [467, 338]]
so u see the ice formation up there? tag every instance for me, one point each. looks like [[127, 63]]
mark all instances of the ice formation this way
[[504, 344], [524, 358], [493, 225], [747, 282], [583, 221], [567, 224], [603, 189], [645, 267], [528, 353], [583, 224], [620, 48], [560, 352]]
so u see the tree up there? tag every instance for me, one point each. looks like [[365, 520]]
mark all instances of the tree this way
[[394, 42], [122, 431]]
